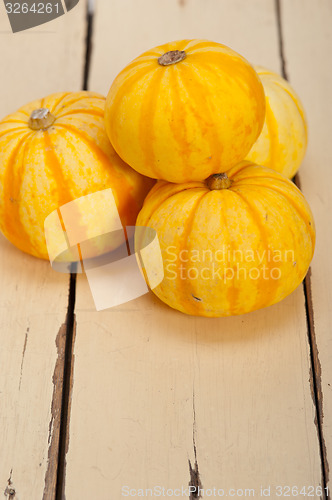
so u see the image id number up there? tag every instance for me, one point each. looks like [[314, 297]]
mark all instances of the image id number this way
[[35, 8], [296, 491]]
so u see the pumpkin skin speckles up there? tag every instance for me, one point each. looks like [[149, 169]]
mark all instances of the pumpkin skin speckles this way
[[230, 246], [43, 168], [185, 120]]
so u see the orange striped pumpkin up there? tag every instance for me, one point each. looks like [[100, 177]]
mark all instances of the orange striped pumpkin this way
[[232, 244], [55, 150], [283, 141], [183, 110]]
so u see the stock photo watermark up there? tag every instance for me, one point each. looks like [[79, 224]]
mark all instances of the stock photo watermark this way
[[28, 14], [262, 491], [122, 263], [226, 264], [86, 236]]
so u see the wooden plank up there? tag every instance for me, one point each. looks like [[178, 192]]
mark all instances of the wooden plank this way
[[309, 44], [42, 60], [33, 298], [161, 21], [154, 388]]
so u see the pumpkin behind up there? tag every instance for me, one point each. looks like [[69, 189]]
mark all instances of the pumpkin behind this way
[[283, 141]]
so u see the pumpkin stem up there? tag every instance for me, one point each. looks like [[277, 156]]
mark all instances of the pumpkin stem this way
[[40, 119], [171, 57], [218, 181]]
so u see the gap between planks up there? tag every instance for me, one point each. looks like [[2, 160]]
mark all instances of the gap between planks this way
[[195, 481], [56, 472], [66, 391], [315, 365]]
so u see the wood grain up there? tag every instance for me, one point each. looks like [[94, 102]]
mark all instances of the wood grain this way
[[33, 298], [308, 48], [160, 398]]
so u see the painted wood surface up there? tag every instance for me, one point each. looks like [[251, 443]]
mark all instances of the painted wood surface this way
[[33, 298], [162, 399], [308, 48]]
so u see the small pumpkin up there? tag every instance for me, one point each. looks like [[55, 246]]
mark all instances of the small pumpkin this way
[[237, 242], [55, 150], [183, 110], [283, 141]]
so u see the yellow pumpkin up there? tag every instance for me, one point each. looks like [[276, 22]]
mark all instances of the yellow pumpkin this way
[[183, 110], [283, 141], [230, 245], [55, 150]]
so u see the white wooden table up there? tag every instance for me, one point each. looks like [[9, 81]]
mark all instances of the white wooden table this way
[[93, 404]]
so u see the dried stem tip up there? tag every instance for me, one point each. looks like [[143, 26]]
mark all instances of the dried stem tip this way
[[218, 181], [171, 57], [40, 119]]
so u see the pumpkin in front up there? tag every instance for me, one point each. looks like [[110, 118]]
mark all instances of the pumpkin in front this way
[[235, 243], [283, 141], [183, 110], [53, 151]]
